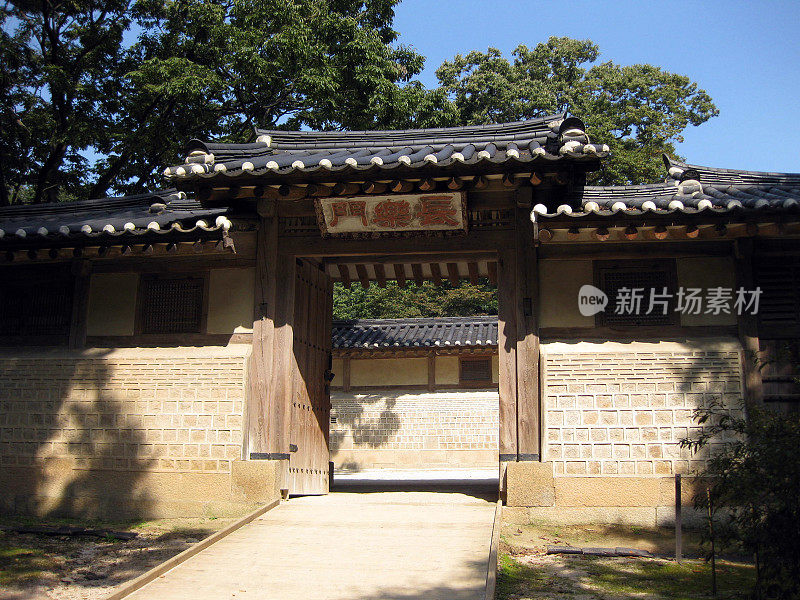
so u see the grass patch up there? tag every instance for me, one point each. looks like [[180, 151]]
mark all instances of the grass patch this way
[[686, 581], [19, 564], [619, 578]]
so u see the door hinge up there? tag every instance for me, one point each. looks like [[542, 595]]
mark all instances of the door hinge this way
[[292, 447]]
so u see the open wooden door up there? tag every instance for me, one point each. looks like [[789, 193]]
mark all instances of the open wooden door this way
[[311, 404]]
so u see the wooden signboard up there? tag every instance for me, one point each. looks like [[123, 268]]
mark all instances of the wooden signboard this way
[[442, 211]]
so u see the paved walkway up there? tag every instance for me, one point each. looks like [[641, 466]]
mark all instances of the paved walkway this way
[[376, 546]]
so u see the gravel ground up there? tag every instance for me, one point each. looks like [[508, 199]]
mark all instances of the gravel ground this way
[[34, 567]]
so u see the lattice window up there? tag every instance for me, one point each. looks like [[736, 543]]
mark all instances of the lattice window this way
[[475, 369], [172, 304], [780, 370], [36, 303], [779, 280], [614, 276]]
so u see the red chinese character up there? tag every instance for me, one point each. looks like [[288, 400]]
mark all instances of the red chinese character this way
[[339, 210], [358, 208], [392, 214], [437, 210], [351, 208]]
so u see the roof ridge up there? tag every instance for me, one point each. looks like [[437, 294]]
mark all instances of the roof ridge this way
[[425, 130], [96, 203], [415, 320]]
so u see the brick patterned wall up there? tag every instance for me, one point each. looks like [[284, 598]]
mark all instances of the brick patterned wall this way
[[168, 410], [453, 420], [622, 409]]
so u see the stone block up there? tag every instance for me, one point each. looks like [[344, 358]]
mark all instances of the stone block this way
[[257, 480], [529, 484]]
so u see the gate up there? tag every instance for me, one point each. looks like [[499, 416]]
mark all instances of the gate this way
[[310, 402]]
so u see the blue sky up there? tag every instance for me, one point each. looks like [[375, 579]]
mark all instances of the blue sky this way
[[746, 55]]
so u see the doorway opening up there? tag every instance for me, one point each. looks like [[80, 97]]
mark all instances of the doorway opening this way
[[414, 401]]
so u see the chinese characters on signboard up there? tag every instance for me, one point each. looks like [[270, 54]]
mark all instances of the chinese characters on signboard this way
[[426, 212]]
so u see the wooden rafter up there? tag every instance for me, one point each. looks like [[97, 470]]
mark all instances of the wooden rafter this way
[[416, 269], [436, 273], [380, 274], [344, 274], [491, 267], [473, 272], [400, 274], [452, 273], [362, 275]]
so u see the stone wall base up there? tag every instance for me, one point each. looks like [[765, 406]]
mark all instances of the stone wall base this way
[[648, 501], [57, 489], [359, 459]]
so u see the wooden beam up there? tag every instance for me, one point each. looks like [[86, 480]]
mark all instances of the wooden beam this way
[[529, 405], [400, 274], [431, 372], [291, 192], [380, 274], [262, 409], [362, 275], [346, 189], [416, 269], [748, 324], [317, 190], [452, 273], [601, 233], [473, 272], [455, 183], [436, 273], [630, 232], [344, 275], [401, 186], [346, 374], [507, 349], [491, 266], [81, 270], [373, 187], [427, 184]]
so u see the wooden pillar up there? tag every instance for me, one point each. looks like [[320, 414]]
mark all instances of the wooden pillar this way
[[346, 374], [507, 348], [747, 323], [527, 356], [431, 372], [81, 271], [261, 357]]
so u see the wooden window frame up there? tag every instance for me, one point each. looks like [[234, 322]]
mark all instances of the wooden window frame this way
[[667, 265], [38, 274], [474, 382], [144, 281]]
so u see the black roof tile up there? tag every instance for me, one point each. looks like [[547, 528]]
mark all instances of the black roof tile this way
[[444, 332]]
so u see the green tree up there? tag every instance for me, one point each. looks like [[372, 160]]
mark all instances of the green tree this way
[[131, 81], [754, 478], [427, 300], [640, 111]]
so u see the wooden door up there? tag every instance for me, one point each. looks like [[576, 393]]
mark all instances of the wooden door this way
[[310, 402]]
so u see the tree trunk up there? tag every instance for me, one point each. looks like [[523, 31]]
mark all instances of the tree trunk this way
[[100, 187]]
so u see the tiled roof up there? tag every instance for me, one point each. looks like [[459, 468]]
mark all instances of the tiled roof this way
[[688, 189], [391, 153], [110, 218], [415, 333]]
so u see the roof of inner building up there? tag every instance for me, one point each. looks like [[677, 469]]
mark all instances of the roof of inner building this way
[[443, 332], [108, 219], [688, 189], [278, 155]]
